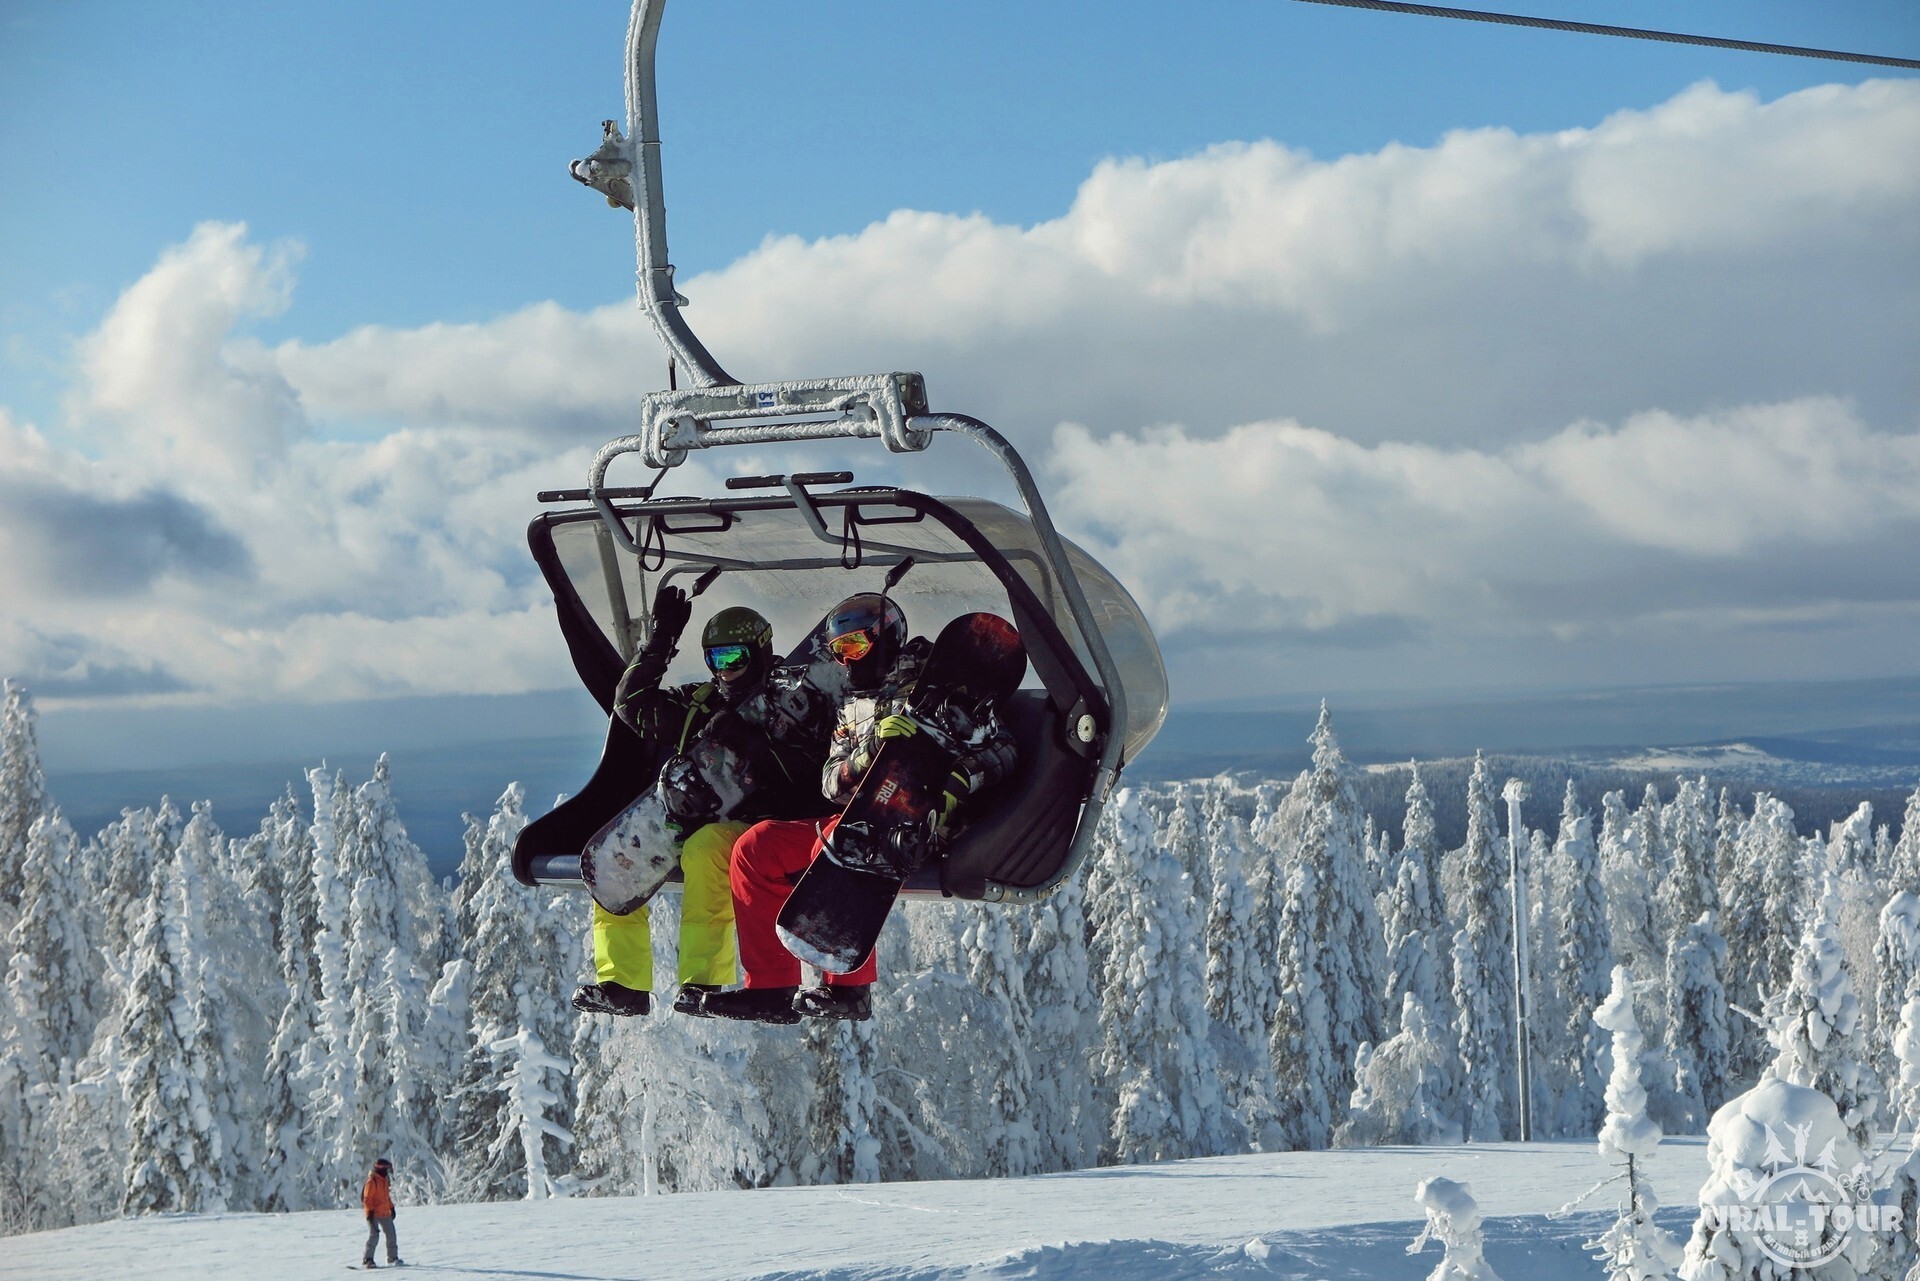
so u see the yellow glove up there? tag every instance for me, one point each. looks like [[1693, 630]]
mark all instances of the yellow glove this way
[[896, 726]]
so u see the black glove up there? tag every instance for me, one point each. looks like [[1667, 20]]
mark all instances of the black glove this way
[[671, 610]]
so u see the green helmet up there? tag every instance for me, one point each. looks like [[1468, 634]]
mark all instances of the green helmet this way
[[732, 630]]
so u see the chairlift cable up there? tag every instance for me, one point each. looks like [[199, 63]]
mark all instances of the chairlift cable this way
[[1630, 33]]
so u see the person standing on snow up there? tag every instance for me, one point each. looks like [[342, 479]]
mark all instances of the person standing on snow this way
[[867, 633], [771, 764], [377, 1198]]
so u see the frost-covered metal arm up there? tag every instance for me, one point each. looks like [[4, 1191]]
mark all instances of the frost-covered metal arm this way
[[626, 169]]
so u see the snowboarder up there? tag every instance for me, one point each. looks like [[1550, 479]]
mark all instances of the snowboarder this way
[[377, 1198], [738, 646], [868, 635]]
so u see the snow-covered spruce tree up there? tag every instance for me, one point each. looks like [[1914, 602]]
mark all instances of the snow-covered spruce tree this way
[[1183, 831], [173, 1151], [1400, 1089], [1697, 1017], [1352, 956], [1483, 971], [370, 938], [1239, 980], [1633, 1249], [1453, 1219], [28, 1076], [23, 791], [1420, 838], [840, 1122], [1147, 955], [1746, 1146], [993, 966], [394, 917], [289, 843], [1303, 1065], [1629, 870], [1850, 843], [328, 1068], [1763, 908], [132, 847], [1727, 819], [1689, 886], [514, 983], [1062, 1028], [52, 931], [936, 1117], [1545, 877], [1581, 971], [1343, 944], [1412, 920], [287, 1161], [1903, 868], [1904, 1108], [1852, 851], [1815, 1028], [230, 1023], [1896, 957]]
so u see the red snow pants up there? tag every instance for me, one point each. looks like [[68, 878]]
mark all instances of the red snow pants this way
[[767, 862]]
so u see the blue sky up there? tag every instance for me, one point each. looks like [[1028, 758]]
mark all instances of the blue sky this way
[[418, 149], [1534, 358]]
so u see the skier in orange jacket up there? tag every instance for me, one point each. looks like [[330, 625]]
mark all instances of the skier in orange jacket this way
[[377, 1199]]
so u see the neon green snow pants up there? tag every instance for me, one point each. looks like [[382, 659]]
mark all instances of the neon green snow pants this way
[[623, 945]]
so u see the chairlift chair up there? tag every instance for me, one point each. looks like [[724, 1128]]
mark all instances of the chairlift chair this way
[[792, 546]]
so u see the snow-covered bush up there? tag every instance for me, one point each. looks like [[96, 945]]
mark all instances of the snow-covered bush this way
[[1453, 1219], [1788, 1196], [1399, 1088]]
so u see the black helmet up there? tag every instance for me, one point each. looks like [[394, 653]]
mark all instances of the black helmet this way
[[865, 632], [737, 637]]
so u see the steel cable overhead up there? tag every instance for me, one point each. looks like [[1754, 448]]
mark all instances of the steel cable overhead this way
[[1630, 33]]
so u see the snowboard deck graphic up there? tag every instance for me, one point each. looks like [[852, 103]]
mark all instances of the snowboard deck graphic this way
[[630, 858], [840, 904]]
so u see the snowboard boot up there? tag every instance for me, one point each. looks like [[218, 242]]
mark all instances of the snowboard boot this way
[[611, 998], [753, 1005], [824, 1002], [691, 999]]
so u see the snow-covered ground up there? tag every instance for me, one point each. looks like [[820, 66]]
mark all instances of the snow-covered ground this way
[[1333, 1215]]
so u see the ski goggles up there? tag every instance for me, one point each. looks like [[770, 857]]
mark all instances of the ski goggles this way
[[728, 658], [851, 647]]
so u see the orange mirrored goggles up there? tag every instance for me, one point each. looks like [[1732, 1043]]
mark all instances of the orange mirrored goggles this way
[[851, 647]]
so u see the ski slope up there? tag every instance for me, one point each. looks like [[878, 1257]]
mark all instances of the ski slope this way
[[1333, 1215]]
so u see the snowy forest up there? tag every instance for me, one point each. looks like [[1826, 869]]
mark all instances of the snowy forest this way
[[197, 1021]]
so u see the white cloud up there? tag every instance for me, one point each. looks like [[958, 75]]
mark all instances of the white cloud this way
[[158, 374], [1651, 380], [1711, 250], [1279, 529]]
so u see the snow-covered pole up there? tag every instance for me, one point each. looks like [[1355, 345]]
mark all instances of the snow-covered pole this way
[[1514, 793]]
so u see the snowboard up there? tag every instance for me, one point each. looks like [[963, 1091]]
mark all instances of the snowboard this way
[[630, 857], [835, 914], [635, 852]]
